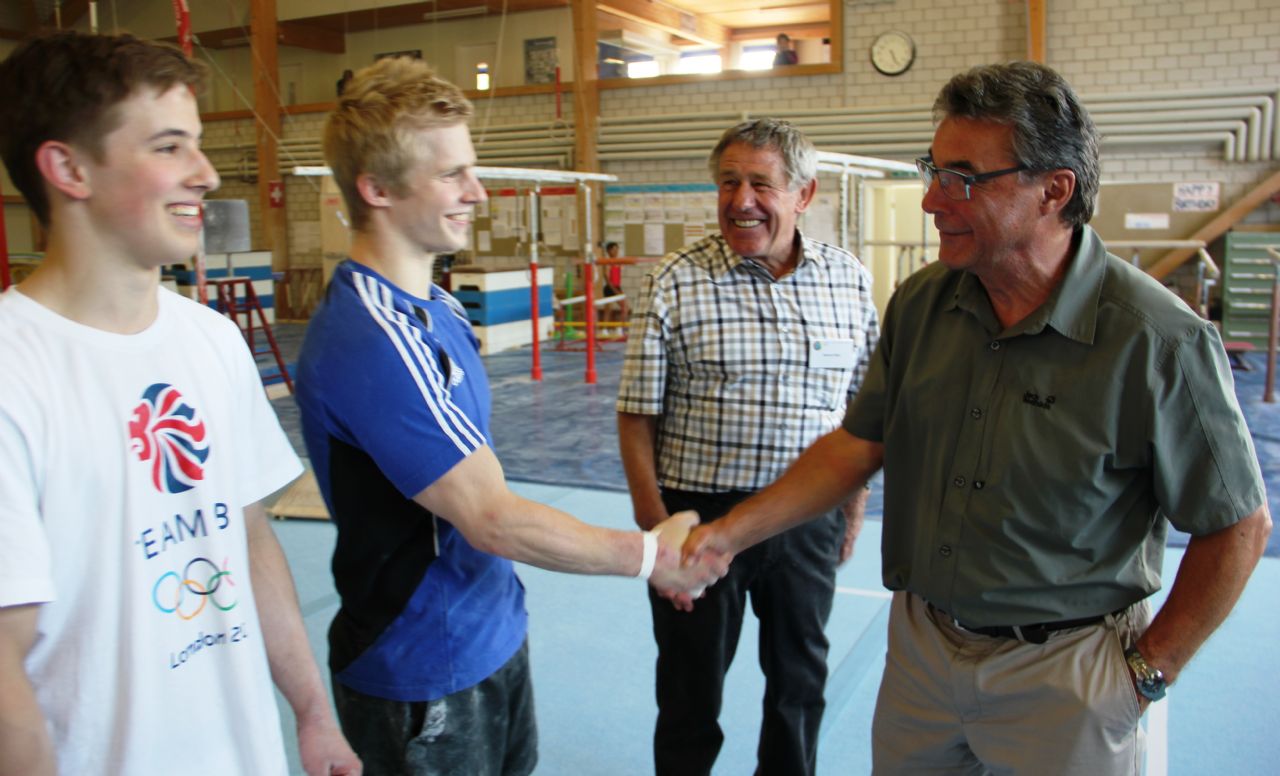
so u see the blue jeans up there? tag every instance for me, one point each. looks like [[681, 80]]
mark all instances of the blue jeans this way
[[486, 730], [791, 583]]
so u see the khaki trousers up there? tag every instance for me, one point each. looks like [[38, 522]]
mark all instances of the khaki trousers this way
[[952, 701]]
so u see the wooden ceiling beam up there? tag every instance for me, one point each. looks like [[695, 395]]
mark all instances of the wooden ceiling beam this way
[[312, 36], [420, 13], [31, 15], [796, 31], [668, 19], [72, 11], [294, 33], [1037, 29]]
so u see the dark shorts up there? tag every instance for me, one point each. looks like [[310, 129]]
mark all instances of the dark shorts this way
[[486, 730]]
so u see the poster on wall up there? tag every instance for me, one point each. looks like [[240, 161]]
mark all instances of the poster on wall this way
[[1196, 197], [540, 60]]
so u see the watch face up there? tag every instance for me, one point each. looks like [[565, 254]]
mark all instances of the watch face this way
[[893, 52]]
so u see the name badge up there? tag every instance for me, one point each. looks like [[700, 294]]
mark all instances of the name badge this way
[[831, 354]]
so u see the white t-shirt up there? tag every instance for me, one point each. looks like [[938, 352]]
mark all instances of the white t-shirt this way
[[125, 464]]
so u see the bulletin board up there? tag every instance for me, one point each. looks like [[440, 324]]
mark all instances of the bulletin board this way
[[656, 219], [821, 220], [501, 225], [1154, 211]]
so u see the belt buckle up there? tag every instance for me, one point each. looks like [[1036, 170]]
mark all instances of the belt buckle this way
[[1031, 634]]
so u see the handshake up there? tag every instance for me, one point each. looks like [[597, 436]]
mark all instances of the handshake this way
[[685, 568]]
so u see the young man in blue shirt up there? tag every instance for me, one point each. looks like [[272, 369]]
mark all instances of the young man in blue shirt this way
[[428, 651]]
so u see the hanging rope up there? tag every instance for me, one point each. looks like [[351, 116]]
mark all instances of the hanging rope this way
[[234, 15], [493, 77]]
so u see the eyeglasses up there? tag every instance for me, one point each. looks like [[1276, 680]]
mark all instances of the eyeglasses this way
[[956, 184]]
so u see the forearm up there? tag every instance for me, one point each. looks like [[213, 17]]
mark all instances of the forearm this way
[[25, 746], [825, 476], [323, 750], [1209, 581], [637, 445], [474, 497], [293, 667], [543, 536]]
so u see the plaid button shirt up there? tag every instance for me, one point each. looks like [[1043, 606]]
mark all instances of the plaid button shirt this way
[[719, 350]]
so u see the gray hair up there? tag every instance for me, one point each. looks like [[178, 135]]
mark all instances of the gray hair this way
[[799, 157], [1051, 129]]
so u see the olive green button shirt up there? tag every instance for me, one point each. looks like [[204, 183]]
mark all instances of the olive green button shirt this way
[[1029, 472]]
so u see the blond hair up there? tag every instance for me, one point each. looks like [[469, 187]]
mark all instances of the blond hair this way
[[372, 130]]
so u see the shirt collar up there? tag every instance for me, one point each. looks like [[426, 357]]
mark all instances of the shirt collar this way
[[726, 260], [1072, 307]]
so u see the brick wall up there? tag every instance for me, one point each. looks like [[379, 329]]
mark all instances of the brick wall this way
[[1102, 46]]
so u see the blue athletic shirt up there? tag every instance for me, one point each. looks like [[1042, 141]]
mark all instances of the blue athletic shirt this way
[[393, 395]]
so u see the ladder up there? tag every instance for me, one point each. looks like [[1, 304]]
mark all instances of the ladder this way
[[237, 298]]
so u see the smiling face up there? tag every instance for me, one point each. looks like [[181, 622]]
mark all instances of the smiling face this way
[[145, 187], [997, 223], [758, 207], [440, 192]]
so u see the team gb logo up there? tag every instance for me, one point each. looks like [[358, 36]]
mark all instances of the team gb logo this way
[[166, 433]]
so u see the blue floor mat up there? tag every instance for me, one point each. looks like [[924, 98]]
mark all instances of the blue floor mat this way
[[561, 431]]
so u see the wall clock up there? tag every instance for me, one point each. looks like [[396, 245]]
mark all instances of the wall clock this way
[[893, 52]]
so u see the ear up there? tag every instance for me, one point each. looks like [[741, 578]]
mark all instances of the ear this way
[[1059, 187], [372, 191], [60, 164], [806, 195]]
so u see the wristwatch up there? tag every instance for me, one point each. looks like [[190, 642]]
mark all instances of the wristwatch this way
[[1150, 680]]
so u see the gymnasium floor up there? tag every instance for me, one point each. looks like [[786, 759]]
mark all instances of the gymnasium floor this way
[[593, 654]]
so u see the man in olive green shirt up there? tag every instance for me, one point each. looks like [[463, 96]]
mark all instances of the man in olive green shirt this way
[[1043, 411]]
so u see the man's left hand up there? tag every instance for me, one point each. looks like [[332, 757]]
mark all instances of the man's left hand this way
[[324, 750]]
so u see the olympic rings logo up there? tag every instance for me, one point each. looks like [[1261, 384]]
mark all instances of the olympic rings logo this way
[[201, 578]]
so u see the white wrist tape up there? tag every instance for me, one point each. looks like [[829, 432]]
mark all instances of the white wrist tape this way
[[650, 554]]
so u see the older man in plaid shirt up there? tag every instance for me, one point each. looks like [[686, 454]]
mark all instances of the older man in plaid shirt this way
[[744, 349]]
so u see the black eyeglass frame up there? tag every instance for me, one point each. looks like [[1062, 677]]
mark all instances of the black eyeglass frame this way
[[929, 171]]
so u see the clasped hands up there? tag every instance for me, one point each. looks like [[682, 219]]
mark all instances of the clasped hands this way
[[689, 561]]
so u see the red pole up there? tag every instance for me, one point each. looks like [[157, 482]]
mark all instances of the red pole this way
[[4, 249], [558, 116], [535, 372], [589, 281], [182, 17]]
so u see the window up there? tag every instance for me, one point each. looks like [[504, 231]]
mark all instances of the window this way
[[699, 62], [646, 67], [758, 57]]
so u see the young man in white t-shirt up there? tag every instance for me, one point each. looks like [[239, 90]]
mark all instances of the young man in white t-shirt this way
[[145, 605]]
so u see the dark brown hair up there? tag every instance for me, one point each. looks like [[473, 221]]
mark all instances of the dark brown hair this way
[[66, 86]]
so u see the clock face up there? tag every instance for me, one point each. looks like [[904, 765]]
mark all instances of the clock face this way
[[893, 52]]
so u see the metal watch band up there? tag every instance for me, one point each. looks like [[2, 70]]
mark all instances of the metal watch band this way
[[1150, 681]]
